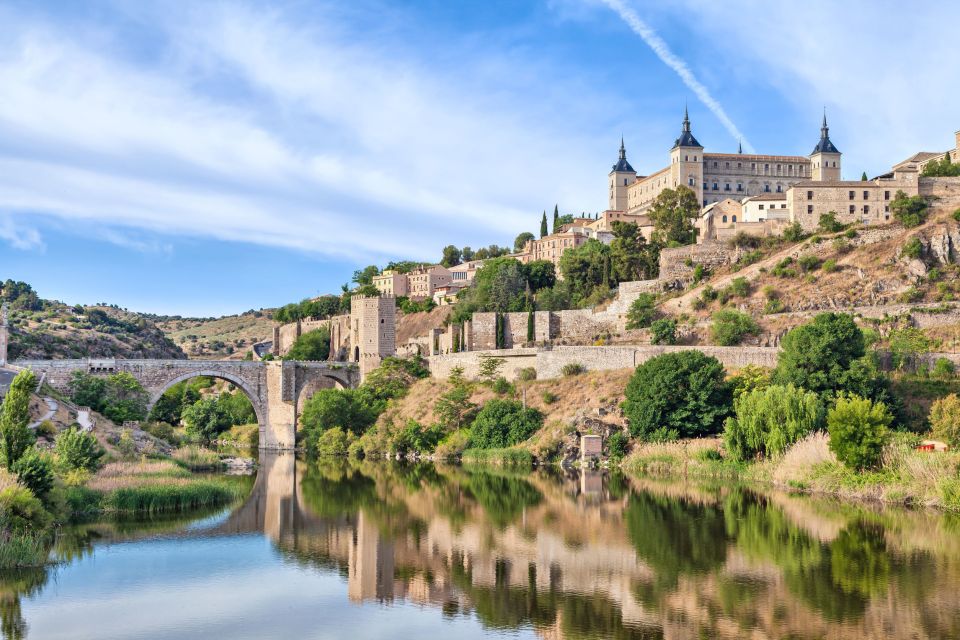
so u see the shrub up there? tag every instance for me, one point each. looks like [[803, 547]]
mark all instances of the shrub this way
[[642, 311], [490, 369], [858, 431], [740, 287], [912, 248], [527, 374], [663, 331], [416, 437], [196, 458], [945, 419], [503, 423], [774, 305], [501, 386], [617, 445], [334, 442], [572, 369], [699, 272], [78, 449], [35, 472], [828, 223], [21, 511], [548, 397], [15, 435], [681, 394], [730, 327], [794, 233], [749, 378], [784, 270], [943, 368], [956, 215], [830, 265], [769, 420], [809, 262], [910, 211]]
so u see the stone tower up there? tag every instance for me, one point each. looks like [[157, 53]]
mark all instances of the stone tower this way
[[686, 161], [372, 330], [4, 334], [621, 177], [825, 158]]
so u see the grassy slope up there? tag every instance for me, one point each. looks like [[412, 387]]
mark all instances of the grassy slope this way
[[213, 337], [58, 332]]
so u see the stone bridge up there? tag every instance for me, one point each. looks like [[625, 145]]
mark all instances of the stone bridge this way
[[275, 388]]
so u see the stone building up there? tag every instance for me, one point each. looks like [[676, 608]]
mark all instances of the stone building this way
[[463, 273], [391, 283], [551, 247], [372, 330], [423, 282], [718, 176]]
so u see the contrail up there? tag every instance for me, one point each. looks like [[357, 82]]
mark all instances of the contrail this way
[[663, 52]]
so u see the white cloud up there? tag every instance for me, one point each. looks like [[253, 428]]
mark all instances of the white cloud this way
[[19, 236], [251, 127]]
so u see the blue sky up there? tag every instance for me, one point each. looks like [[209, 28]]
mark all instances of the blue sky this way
[[203, 158]]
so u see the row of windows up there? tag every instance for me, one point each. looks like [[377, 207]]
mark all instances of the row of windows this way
[[853, 209], [852, 195]]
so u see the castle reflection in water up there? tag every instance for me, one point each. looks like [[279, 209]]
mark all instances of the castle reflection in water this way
[[590, 555]]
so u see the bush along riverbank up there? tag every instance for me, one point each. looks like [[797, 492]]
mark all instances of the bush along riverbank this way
[[825, 420], [49, 477]]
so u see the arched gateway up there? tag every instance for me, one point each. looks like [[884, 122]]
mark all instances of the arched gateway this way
[[274, 388]]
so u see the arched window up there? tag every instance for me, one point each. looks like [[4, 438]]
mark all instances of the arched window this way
[[724, 218], [734, 218]]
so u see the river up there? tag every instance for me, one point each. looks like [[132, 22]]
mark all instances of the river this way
[[382, 550]]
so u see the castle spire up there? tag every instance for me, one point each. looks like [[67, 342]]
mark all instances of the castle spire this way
[[686, 138], [623, 150], [824, 129], [686, 119], [825, 145], [740, 146], [622, 164]]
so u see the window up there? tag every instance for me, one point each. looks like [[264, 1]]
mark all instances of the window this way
[[866, 195], [724, 218], [866, 209], [834, 163], [739, 165], [716, 186], [783, 206], [852, 195], [809, 195], [809, 208], [734, 218], [704, 185], [766, 188], [739, 186], [779, 188], [853, 209], [886, 195], [726, 186], [726, 165], [686, 158], [690, 182], [753, 166], [761, 207]]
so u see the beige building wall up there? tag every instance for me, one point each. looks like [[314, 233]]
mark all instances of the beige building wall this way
[[423, 282], [853, 201], [463, 273], [771, 206], [372, 330], [551, 247], [391, 283]]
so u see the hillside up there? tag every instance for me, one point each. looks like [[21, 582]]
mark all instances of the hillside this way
[[49, 329], [229, 337]]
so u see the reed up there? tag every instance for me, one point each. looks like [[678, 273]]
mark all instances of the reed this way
[[169, 497], [21, 550], [510, 457]]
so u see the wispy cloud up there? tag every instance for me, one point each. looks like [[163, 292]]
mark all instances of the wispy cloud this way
[[663, 51], [19, 236]]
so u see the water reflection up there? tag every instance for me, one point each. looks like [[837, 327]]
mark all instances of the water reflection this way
[[582, 555]]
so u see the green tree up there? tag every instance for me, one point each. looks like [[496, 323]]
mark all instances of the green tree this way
[[124, 398], [543, 224], [942, 168], [15, 434], [642, 312], [451, 256], [945, 419], [366, 275], [556, 218], [663, 331], [631, 257], [730, 327], [586, 267], [680, 394], [673, 213], [205, 419], [910, 211], [521, 241], [863, 177], [35, 472], [859, 429], [503, 423], [311, 346], [815, 356], [769, 420], [828, 223], [78, 449], [540, 274]]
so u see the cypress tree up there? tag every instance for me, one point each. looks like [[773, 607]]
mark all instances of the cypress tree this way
[[556, 218], [543, 224], [864, 176]]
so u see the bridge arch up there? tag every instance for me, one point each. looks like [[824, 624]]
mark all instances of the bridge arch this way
[[237, 381]]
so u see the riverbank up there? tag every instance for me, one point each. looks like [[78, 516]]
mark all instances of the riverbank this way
[[907, 477]]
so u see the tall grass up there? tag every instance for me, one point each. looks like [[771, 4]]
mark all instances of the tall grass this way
[[22, 550], [510, 457], [196, 458], [153, 498]]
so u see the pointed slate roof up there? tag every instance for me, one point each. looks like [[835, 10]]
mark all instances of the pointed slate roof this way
[[622, 164], [686, 138], [824, 145]]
